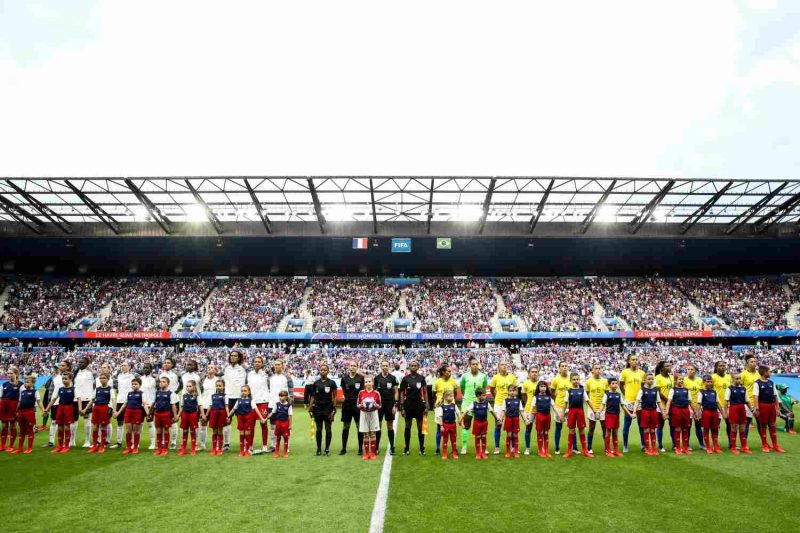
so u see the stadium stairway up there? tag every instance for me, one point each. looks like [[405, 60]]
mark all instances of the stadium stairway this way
[[599, 313], [4, 297], [308, 325], [104, 313], [178, 323], [791, 316], [206, 310], [500, 311], [697, 315]]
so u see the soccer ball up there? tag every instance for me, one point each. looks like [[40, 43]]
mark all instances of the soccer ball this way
[[368, 404]]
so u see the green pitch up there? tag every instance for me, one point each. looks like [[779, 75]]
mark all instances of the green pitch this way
[[112, 492]]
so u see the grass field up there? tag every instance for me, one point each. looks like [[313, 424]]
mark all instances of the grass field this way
[[112, 492]]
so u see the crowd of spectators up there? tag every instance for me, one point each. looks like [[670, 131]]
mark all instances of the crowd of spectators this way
[[552, 304], [742, 303], [450, 304], [155, 304], [644, 303], [351, 304], [253, 304], [45, 304]]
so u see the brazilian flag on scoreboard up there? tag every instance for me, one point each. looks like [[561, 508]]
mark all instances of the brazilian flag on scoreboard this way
[[444, 243]]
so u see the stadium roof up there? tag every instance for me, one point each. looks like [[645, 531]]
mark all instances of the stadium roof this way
[[61, 202]]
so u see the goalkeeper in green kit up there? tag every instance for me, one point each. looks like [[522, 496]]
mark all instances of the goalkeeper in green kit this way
[[470, 381]]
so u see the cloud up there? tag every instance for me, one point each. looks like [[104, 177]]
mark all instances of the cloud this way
[[188, 88]]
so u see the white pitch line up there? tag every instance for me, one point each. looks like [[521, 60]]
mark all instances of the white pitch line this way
[[382, 496]]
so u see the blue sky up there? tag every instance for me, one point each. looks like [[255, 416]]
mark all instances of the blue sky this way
[[693, 89]]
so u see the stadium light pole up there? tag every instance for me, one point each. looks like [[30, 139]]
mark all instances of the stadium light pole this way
[[154, 211], [486, 201], [695, 217], [46, 212], [540, 207], [261, 213], [372, 200], [317, 205], [754, 209], [209, 213], [644, 216], [98, 211], [593, 213]]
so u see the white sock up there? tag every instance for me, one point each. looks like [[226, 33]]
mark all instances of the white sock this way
[[152, 427], [51, 438], [72, 429], [108, 433], [87, 430], [226, 435], [173, 434], [120, 432], [201, 436]]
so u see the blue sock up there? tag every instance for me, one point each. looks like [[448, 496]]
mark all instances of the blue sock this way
[[497, 437], [557, 438], [641, 435], [574, 442], [747, 427], [527, 439], [660, 436], [672, 436], [728, 431], [589, 440], [438, 438], [626, 428]]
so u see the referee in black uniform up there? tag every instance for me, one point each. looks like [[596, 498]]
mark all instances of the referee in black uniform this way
[[387, 387], [414, 404], [322, 407], [352, 384]]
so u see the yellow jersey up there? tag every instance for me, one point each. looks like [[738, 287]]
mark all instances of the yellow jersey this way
[[664, 384], [633, 380], [500, 384], [560, 385], [529, 389], [694, 385], [596, 389], [748, 378], [721, 384], [441, 385]]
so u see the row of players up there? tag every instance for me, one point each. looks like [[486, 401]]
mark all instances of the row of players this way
[[652, 406]]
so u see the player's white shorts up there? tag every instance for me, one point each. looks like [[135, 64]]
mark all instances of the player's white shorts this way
[[590, 415], [498, 411], [747, 411], [369, 422]]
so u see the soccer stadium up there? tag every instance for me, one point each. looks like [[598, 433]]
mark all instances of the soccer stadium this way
[[271, 348]]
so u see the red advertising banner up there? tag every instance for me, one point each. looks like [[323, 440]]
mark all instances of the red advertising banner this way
[[671, 334], [126, 334]]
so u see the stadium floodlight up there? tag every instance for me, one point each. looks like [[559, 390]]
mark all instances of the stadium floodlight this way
[[468, 213], [195, 213], [140, 213], [338, 212], [607, 213]]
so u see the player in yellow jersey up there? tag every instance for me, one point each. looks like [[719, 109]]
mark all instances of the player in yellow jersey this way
[[528, 396], [722, 382], [749, 376], [664, 382], [444, 383], [559, 387], [596, 387], [630, 381], [694, 384], [499, 387]]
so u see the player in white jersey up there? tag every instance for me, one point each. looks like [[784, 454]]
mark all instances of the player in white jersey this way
[[148, 389], [168, 371], [63, 367], [208, 387], [84, 392], [259, 388], [398, 373], [278, 382], [235, 377], [122, 385]]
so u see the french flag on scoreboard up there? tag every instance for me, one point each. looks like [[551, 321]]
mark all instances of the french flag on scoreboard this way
[[360, 243]]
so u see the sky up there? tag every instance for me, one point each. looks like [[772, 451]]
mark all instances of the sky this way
[[175, 88]]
